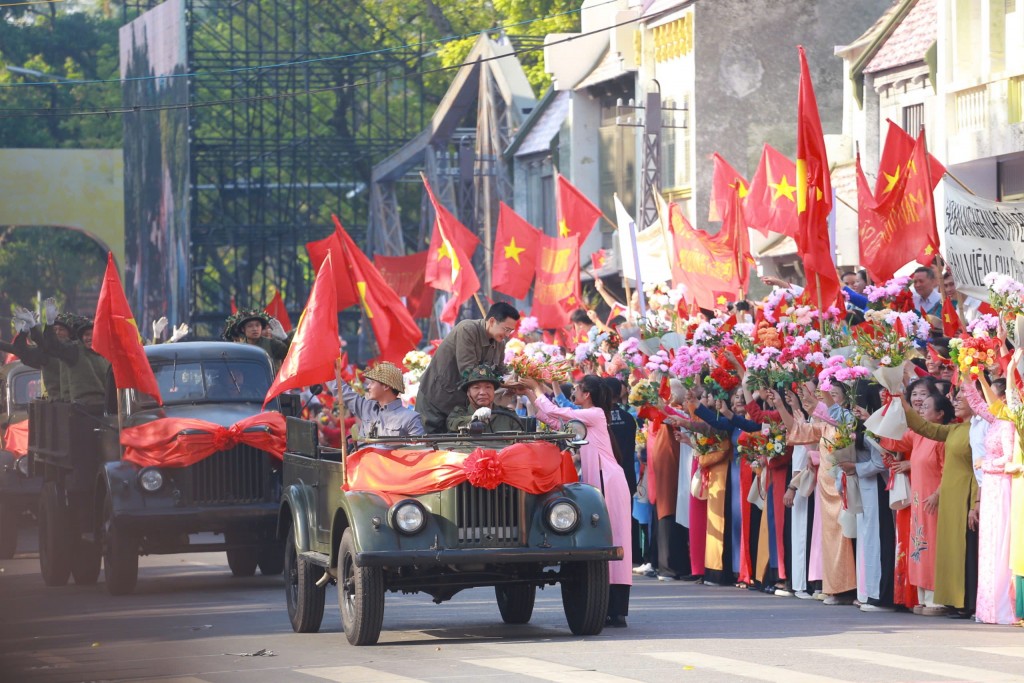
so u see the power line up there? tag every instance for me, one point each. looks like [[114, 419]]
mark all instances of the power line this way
[[301, 62], [30, 2], [44, 113]]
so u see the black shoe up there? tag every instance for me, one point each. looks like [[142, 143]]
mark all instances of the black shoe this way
[[615, 622], [691, 577], [959, 614]]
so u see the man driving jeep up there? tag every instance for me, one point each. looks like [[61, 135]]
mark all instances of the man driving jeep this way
[[480, 383]]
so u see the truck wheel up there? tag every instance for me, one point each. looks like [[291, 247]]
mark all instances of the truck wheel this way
[[360, 595], [120, 556], [243, 561], [271, 559], [86, 561], [515, 602], [8, 531], [54, 545], [305, 599], [585, 596]]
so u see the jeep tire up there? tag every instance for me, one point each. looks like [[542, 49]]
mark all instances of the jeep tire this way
[[120, 555], [515, 601], [54, 539], [585, 596], [270, 558], [86, 561], [360, 595], [304, 598], [9, 515], [243, 561]]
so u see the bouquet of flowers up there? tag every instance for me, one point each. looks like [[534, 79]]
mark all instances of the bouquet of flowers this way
[[710, 335], [709, 443], [528, 325], [1005, 294], [416, 361], [513, 347], [893, 295], [720, 382], [777, 304], [547, 370], [743, 337], [972, 354], [690, 362], [765, 371], [760, 447], [803, 358], [642, 393], [888, 337], [985, 325], [838, 369], [658, 362]]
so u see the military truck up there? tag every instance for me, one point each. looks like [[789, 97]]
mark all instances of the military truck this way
[[104, 501], [19, 489], [463, 533]]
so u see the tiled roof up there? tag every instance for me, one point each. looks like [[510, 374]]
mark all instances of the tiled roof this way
[[609, 68], [538, 139], [909, 41]]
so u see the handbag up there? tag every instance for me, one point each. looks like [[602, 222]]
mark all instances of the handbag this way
[[754, 495], [697, 488], [899, 494]]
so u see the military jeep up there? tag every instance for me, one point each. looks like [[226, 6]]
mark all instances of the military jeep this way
[[19, 489], [96, 504], [441, 542]]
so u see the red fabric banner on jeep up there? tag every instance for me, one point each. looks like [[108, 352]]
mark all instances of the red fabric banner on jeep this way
[[16, 439], [161, 443], [533, 467]]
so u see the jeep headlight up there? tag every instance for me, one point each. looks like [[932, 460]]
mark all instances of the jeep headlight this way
[[21, 464], [408, 517], [151, 479], [563, 516]]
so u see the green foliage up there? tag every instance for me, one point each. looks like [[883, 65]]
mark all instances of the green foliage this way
[[68, 44], [55, 262]]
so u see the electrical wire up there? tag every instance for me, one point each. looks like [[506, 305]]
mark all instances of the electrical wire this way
[[46, 113], [301, 62], [30, 2]]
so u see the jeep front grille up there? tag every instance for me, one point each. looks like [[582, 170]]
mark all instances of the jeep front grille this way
[[488, 518], [238, 475]]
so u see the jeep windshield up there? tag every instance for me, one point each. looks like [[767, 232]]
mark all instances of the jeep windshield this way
[[25, 388], [216, 380]]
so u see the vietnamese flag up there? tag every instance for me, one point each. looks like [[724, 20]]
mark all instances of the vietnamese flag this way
[[405, 275], [598, 259], [515, 254], [116, 337], [449, 265], [576, 214], [728, 190], [706, 265], [951, 323], [557, 291], [346, 293], [770, 204], [396, 332], [814, 195], [896, 153], [277, 310], [316, 345]]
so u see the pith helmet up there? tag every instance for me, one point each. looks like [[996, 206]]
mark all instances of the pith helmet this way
[[480, 373], [387, 374]]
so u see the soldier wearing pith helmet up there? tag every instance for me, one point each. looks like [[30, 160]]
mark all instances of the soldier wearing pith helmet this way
[[381, 412], [480, 384]]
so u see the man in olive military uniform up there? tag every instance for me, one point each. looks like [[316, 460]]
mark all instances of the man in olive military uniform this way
[[480, 383], [34, 355], [83, 371], [246, 327], [471, 343]]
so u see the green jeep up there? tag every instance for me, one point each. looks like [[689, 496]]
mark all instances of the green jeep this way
[[344, 524]]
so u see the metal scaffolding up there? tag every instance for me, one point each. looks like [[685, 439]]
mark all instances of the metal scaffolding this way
[[268, 166]]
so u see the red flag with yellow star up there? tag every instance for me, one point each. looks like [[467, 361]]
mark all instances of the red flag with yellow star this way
[[393, 325], [705, 265], [316, 346], [813, 195], [115, 336], [952, 325], [557, 291], [770, 204], [515, 254], [728, 191], [576, 214], [450, 265]]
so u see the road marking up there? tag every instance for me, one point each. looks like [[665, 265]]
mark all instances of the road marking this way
[[738, 667], [1004, 651], [925, 666], [356, 674], [547, 671]]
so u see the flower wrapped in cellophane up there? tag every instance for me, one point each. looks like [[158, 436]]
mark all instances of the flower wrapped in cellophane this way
[[544, 368], [974, 354]]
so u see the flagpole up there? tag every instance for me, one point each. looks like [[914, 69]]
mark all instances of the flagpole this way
[[636, 270], [480, 304], [341, 418], [629, 298]]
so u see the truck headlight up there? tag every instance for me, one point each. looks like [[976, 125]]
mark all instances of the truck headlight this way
[[21, 464], [562, 516], [408, 517], [151, 479]]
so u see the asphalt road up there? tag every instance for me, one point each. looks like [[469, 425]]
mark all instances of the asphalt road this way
[[191, 622]]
